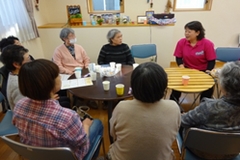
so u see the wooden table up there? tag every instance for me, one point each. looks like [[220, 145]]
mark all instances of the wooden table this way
[[96, 92], [199, 81]]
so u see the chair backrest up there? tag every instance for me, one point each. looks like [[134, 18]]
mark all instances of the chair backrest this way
[[144, 51], [6, 126], [212, 142], [227, 54], [40, 153]]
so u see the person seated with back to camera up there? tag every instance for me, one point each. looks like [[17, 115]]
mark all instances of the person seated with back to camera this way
[[70, 55], [13, 57], [145, 127], [115, 50], [222, 115], [48, 123]]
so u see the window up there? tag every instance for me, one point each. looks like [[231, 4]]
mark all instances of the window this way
[[105, 6], [15, 20], [192, 5]]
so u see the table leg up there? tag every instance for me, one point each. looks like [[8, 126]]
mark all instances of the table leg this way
[[195, 100]]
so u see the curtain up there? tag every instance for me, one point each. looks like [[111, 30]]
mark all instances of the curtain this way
[[14, 20], [29, 7]]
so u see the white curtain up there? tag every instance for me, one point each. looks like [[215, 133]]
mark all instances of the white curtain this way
[[14, 20]]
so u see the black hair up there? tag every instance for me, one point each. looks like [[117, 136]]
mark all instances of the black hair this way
[[196, 26], [148, 82], [11, 54], [7, 41], [37, 79]]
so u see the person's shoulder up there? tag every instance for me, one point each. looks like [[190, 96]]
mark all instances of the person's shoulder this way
[[58, 48], [182, 41], [169, 103], [206, 41]]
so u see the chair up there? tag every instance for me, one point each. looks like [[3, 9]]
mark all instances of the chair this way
[[3, 87], [227, 54], [144, 51], [212, 142], [47, 153], [6, 126]]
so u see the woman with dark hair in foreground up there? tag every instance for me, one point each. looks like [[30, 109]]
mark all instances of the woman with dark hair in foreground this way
[[145, 127]]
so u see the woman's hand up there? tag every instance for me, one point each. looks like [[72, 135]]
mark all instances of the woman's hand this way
[[181, 66], [55, 96]]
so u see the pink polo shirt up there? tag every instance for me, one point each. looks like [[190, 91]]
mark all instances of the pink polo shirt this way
[[196, 57]]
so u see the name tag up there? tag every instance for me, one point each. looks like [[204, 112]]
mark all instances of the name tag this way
[[199, 53]]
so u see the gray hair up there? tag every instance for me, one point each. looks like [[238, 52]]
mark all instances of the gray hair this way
[[230, 80], [111, 34], [65, 32]]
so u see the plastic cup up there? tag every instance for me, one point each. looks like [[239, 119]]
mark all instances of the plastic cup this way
[[91, 67], [135, 65], [185, 80], [93, 76], [84, 23], [98, 68], [106, 85], [78, 74], [119, 66], [120, 89], [112, 64], [77, 69]]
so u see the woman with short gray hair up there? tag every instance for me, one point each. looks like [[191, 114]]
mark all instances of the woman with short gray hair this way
[[69, 54], [115, 50], [219, 114]]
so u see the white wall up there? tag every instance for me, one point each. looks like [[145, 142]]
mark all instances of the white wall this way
[[221, 24]]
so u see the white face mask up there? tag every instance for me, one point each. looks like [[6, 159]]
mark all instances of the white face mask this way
[[72, 41]]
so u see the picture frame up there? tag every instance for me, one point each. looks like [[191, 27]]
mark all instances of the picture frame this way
[[149, 14], [141, 19]]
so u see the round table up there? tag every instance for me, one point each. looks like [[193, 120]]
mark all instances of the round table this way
[[199, 81]]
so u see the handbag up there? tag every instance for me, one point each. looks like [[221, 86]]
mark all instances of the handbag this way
[[83, 114]]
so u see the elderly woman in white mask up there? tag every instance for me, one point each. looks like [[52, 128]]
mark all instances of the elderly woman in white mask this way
[[69, 54]]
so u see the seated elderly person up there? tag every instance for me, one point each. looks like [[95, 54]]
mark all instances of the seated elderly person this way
[[145, 127], [219, 114], [115, 50], [69, 54]]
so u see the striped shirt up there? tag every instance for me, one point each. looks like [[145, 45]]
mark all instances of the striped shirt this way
[[119, 54], [47, 124]]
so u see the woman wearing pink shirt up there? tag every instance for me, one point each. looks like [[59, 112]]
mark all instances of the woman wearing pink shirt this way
[[196, 52]]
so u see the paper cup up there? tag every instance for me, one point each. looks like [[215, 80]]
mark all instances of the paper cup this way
[[78, 74], [120, 89], [93, 76], [135, 65], [119, 66], [185, 80], [106, 85], [112, 64]]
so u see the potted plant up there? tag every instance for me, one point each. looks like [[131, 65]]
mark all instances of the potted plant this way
[[100, 21], [75, 19], [117, 20]]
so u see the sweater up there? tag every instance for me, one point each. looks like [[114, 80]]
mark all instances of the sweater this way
[[144, 130], [119, 54], [66, 62], [13, 92]]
